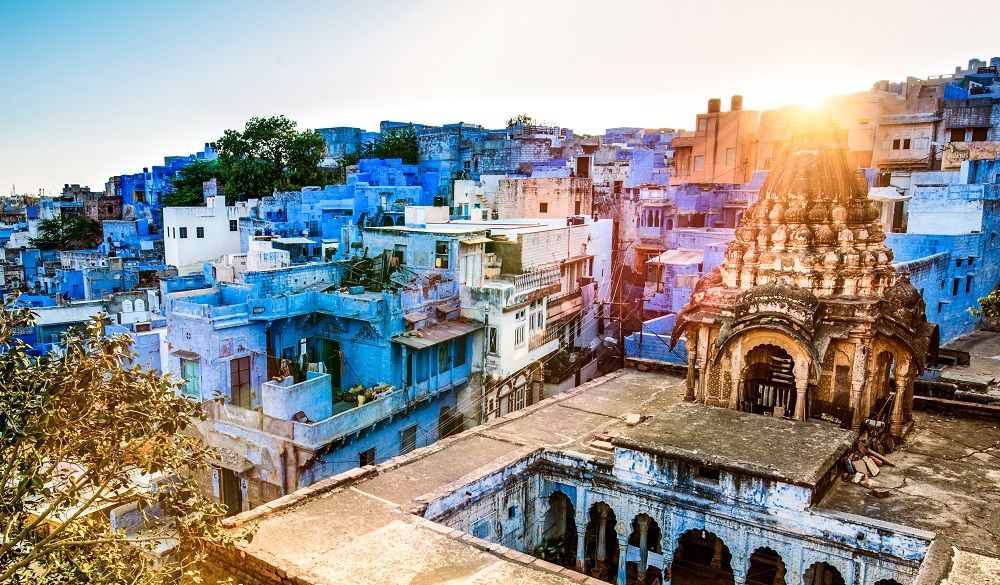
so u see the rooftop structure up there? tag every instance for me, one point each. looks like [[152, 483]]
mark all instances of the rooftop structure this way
[[617, 498]]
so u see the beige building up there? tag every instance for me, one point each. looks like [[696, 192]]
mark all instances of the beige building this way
[[722, 148], [544, 198]]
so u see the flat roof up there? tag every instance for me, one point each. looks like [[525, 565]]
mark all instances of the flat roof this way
[[731, 440], [362, 532]]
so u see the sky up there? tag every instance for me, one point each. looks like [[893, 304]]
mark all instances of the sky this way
[[94, 89]]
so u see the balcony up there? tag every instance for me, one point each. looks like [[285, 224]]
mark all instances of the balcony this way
[[315, 435], [536, 279], [284, 399]]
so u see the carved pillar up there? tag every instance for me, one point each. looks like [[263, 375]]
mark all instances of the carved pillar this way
[[859, 374], [622, 547], [643, 542], [602, 552], [801, 384], [581, 551], [900, 410], [735, 374], [692, 351]]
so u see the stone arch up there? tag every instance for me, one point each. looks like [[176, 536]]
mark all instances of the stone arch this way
[[767, 382], [645, 537], [822, 574], [400, 220], [882, 376], [387, 221], [805, 365], [701, 557], [601, 544], [765, 567], [559, 537]]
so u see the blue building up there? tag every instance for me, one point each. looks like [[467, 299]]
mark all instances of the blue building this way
[[321, 367]]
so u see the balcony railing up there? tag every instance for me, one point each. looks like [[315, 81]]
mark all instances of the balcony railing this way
[[536, 279], [316, 435]]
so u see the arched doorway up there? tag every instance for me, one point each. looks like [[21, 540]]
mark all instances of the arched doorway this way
[[559, 536], [645, 539], [766, 568], [401, 220], [601, 544], [822, 574], [887, 582], [768, 382], [701, 558]]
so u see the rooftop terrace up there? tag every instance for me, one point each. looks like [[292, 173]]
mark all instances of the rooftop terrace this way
[[946, 479]]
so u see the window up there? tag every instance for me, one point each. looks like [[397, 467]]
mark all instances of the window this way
[[491, 340], [979, 134], [576, 208], [511, 512], [366, 457], [191, 374], [958, 262], [239, 382], [461, 350], [708, 474], [199, 232], [968, 283], [699, 163], [543, 208], [954, 287], [519, 336], [906, 144], [234, 225], [407, 439], [441, 254], [993, 240], [957, 135], [702, 124], [730, 157], [920, 143], [520, 315], [895, 144], [184, 232]]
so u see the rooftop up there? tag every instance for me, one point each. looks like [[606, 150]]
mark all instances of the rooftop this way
[[743, 442], [945, 479]]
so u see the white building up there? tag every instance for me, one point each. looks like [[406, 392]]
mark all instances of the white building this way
[[194, 235]]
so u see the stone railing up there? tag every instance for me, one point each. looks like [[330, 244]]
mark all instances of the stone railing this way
[[283, 399], [535, 279], [316, 435]]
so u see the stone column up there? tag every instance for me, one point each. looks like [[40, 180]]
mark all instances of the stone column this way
[[622, 547], [859, 375], [602, 545], [801, 385], [643, 542], [581, 551], [692, 351], [904, 381]]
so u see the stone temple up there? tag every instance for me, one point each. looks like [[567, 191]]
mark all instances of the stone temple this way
[[807, 317]]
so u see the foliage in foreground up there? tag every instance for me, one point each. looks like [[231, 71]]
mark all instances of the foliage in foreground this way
[[83, 433], [399, 142], [989, 308]]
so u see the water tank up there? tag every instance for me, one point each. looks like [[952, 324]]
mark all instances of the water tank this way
[[714, 106], [736, 104]]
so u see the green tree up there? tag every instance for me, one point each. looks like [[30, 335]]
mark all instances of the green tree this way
[[269, 154], [521, 120], [188, 183], [83, 432], [989, 308], [68, 232], [400, 142]]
